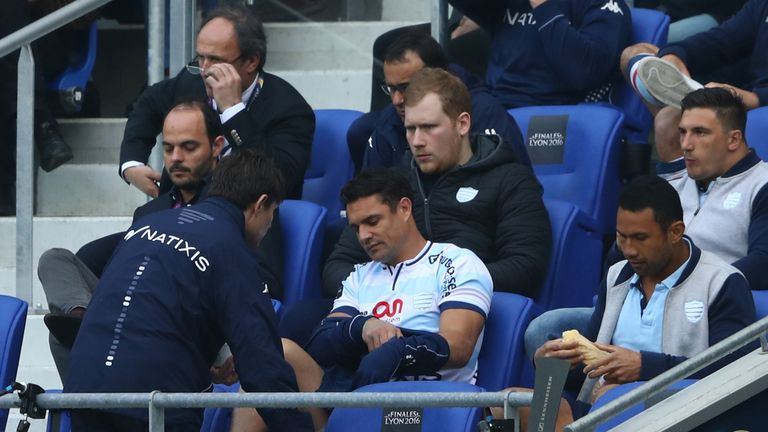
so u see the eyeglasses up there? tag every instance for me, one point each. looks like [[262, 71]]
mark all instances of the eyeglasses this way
[[194, 67], [391, 89]]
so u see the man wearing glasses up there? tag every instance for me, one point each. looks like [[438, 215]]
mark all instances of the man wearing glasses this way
[[407, 55], [257, 109]]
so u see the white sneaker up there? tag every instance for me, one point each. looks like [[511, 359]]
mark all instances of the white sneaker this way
[[659, 82]]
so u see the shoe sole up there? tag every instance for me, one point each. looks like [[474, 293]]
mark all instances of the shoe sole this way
[[665, 82]]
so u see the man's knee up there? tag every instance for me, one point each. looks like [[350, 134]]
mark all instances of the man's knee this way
[[53, 257], [551, 324], [633, 50]]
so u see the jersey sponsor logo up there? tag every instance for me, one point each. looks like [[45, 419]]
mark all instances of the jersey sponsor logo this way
[[449, 279], [385, 309], [612, 6], [519, 18], [466, 194], [732, 200], [694, 310], [177, 243]]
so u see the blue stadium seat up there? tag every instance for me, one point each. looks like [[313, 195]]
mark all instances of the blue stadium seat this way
[[433, 419], [575, 154], [647, 26], [330, 166], [761, 303], [70, 84], [574, 268], [219, 419], [502, 362], [13, 318], [303, 225], [632, 411], [757, 131]]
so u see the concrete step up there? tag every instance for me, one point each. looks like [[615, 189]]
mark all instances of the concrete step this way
[[322, 46], [332, 89], [94, 140], [86, 190], [49, 232]]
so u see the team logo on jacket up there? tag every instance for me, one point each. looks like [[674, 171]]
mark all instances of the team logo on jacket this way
[[613, 7], [466, 194], [732, 200], [694, 310], [177, 243]]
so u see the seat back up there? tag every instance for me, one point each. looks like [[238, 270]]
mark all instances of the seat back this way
[[761, 303], [331, 165], [303, 229], [757, 131], [13, 318], [632, 411], [432, 419], [502, 362], [575, 154], [649, 26], [71, 83], [574, 269]]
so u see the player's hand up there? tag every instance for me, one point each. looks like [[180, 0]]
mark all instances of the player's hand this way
[[621, 366], [144, 178], [225, 85], [225, 372], [751, 101], [562, 350], [377, 332]]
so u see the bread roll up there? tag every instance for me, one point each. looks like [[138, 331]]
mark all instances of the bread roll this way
[[587, 349]]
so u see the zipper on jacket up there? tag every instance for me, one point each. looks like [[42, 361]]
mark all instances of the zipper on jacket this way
[[426, 205]]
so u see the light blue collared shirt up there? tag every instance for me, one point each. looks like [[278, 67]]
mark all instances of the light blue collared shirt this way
[[639, 328]]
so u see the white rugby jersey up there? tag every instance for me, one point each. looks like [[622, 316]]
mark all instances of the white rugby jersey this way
[[411, 294]]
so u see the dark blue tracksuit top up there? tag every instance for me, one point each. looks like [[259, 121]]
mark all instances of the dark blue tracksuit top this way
[[180, 284], [554, 54]]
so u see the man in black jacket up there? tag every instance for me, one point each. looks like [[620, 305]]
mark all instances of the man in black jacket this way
[[257, 109], [469, 192]]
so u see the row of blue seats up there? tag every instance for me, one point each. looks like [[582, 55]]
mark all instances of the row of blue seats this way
[[501, 364]]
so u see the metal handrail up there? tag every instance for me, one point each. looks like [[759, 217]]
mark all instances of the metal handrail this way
[[439, 21], [25, 193], [684, 369], [157, 402], [47, 24]]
